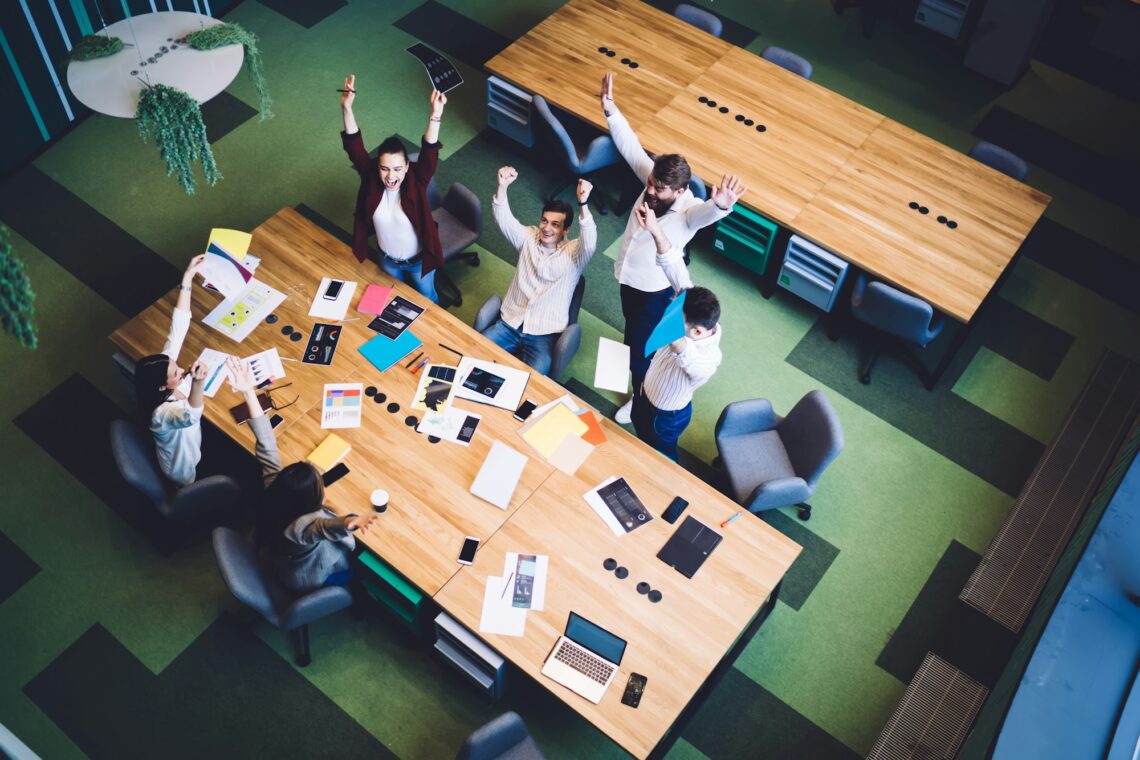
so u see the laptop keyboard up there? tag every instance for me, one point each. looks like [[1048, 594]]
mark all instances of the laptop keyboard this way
[[584, 662]]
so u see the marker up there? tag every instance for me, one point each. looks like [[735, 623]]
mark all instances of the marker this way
[[421, 365], [729, 520], [413, 361], [213, 377]]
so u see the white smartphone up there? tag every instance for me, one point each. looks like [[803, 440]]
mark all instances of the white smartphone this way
[[333, 290], [467, 553]]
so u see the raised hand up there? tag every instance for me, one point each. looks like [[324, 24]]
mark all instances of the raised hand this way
[[438, 101], [728, 191], [607, 93], [507, 175], [584, 188], [647, 219], [361, 522], [192, 268], [349, 94], [198, 372], [241, 376]]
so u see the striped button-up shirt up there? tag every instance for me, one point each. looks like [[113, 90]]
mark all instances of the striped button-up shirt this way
[[538, 300], [672, 376]]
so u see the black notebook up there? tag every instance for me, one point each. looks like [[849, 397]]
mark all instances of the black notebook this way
[[689, 547]]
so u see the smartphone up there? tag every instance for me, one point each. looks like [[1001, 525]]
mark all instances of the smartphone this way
[[335, 474], [674, 510], [525, 410], [275, 421], [634, 688], [333, 290], [467, 553]]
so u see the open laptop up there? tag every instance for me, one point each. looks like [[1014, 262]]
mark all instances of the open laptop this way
[[585, 659]]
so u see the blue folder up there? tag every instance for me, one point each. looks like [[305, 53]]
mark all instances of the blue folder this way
[[383, 352], [670, 328]]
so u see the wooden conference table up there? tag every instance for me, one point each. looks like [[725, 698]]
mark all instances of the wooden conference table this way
[[825, 167], [677, 643]]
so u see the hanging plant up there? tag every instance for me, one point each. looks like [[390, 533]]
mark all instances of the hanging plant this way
[[17, 314], [235, 34], [175, 120], [95, 46]]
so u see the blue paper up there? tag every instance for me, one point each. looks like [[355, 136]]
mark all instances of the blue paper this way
[[383, 352], [670, 328]]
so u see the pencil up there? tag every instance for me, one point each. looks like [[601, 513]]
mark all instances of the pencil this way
[[452, 350], [413, 361]]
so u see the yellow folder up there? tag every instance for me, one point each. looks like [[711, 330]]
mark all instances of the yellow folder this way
[[332, 450]]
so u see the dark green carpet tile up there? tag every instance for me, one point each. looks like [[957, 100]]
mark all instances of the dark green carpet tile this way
[[1025, 339], [1066, 45], [223, 114], [1109, 177], [974, 643], [1085, 262], [990, 448], [737, 34], [112, 706], [742, 719], [453, 34], [126, 273], [926, 619], [307, 13], [16, 568], [325, 223], [809, 568]]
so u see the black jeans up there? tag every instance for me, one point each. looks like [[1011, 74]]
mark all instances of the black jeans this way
[[642, 312]]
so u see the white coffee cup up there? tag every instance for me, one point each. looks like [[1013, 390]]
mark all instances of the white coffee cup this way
[[379, 500]]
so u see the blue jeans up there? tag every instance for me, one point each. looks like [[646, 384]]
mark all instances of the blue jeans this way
[[409, 272], [658, 428], [642, 312], [536, 350]]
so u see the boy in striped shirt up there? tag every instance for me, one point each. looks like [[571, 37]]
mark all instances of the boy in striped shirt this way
[[664, 407]]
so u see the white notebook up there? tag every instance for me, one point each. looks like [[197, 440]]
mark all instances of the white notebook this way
[[499, 475]]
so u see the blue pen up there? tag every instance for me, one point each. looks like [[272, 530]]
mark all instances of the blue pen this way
[[213, 377], [729, 520]]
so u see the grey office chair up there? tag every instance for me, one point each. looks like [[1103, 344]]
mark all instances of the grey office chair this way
[[568, 341], [133, 450], [774, 461], [600, 153], [699, 18], [999, 158], [788, 60], [459, 217], [904, 317], [504, 738], [252, 586]]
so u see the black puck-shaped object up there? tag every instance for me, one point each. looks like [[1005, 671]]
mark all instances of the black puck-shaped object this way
[[913, 205], [272, 319], [748, 122], [433, 439], [411, 420], [642, 587], [609, 563], [379, 398], [761, 128], [740, 117], [370, 390], [287, 330], [923, 210], [610, 53], [625, 61], [952, 224], [655, 596], [173, 47], [942, 220], [622, 572], [393, 407], [296, 336], [135, 73], [633, 65], [712, 104], [702, 99], [723, 109], [603, 49]]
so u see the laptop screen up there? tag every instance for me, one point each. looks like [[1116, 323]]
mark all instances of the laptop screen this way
[[595, 638]]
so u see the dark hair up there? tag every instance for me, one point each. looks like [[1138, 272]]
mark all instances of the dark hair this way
[[672, 170], [701, 308], [560, 207], [392, 144], [297, 490], [150, 376]]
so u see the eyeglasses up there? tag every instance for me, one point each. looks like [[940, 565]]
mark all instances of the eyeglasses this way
[[273, 402]]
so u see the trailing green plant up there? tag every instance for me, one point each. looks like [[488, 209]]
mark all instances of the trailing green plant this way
[[95, 46], [174, 119], [17, 312], [235, 34]]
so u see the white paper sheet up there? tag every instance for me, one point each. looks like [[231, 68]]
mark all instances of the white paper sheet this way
[[342, 405], [336, 308], [236, 317], [499, 475], [216, 373], [600, 507], [499, 614], [541, 570], [447, 425], [266, 365], [508, 396], [612, 370]]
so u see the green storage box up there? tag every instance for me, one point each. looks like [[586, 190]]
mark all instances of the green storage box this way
[[745, 237], [392, 590]]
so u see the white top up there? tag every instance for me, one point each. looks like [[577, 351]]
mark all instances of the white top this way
[[638, 264], [538, 300], [394, 231], [672, 377], [175, 424]]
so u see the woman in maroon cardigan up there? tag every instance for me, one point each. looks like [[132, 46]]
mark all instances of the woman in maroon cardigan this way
[[392, 201]]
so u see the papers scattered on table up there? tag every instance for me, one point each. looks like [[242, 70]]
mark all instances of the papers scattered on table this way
[[332, 308], [563, 433], [226, 268], [499, 614], [539, 565], [397, 316], [612, 370], [490, 383], [236, 317], [383, 352], [436, 388], [265, 366], [453, 424], [547, 433], [618, 506], [374, 299], [322, 344], [341, 405], [499, 475], [670, 328]]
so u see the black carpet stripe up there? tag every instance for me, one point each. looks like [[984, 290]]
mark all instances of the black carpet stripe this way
[[223, 114], [1067, 45], [1111, 178], [1025, 339], [453, 34], [1085, 262], [324, 223], [809, 568], [226, 695], [307, 13], [87, 244], [16, 568]]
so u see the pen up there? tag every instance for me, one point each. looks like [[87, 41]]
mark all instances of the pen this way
[[507, 585], [414, 359], [726, 522], [214, 376], [452, 350], [420, 366]]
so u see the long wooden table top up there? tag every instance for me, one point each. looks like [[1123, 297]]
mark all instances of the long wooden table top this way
[[562, 59], [676, 643]]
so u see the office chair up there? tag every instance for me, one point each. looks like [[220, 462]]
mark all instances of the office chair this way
[[774, 461], [788, 60], [699, 18], [504, 738], [997, 157], [600, 153], [906, 318], [567, 344], [460, 220], [133, 450], [252, 586]]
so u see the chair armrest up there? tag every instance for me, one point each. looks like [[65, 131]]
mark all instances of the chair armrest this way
[[600, 153], [488, 313], [314, 606], [744, 417], [564, 350], [781, 492], [205, 495]]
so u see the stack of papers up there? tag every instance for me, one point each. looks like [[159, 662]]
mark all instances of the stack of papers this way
[[506, 599], [436, 388], [228, 268], [237, 316], [491, 383], [332, 308], [499, 475], [563, 434], [452, 424], [266, 367]]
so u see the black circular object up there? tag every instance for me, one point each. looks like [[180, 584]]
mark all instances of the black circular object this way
[[296, 336], [622, 573], [411, 420], [173, 47], [642, 587], [272, 319], [655, 596], [625, 61], [142, 64], [610, 53], [150, 60], [702, 99], [379, 398], [942, 220], [761, 128], [433, 439], [712, 104], [393, 407], [164, 48], [952, 224], [370, 390], [748, 122], [633, 65], [135, 73], [913, 205], [170, 39], [287, 330], [923, 210], [723, 109], [603, 49], [740, 117], [609, 564], [159, 55]]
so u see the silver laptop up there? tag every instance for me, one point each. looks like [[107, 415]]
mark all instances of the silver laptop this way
[[585, 659]]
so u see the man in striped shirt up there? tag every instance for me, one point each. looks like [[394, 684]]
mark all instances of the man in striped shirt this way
[[664, 407], [536, 308]]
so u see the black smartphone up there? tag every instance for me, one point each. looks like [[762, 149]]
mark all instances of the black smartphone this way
[[275, 421], [333, 290], [335, 474], [634, 688], [525, 410], [467, 553], [674, 510]]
